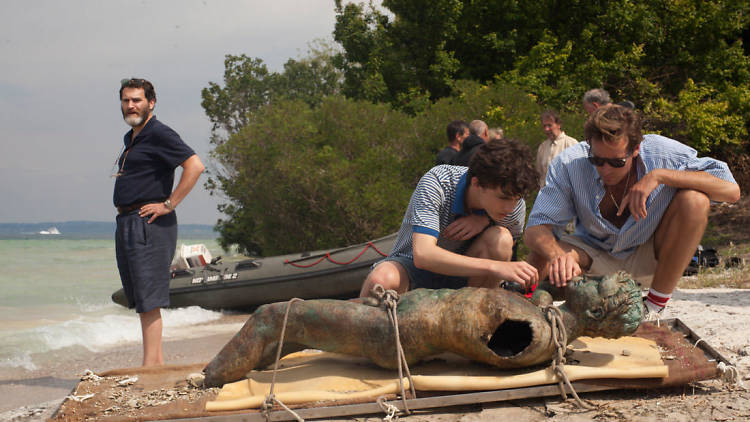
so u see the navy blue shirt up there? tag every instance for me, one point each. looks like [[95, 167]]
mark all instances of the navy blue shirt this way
[[148, 172]]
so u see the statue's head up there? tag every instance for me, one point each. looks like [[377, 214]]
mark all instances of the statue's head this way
[[610, 306]]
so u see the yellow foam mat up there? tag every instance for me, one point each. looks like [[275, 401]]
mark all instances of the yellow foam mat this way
[[319, 376]]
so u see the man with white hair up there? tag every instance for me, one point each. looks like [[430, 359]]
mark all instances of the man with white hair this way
[[478, 135], [595, 98]]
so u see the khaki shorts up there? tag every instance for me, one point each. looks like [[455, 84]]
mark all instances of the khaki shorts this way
[[641, 264]]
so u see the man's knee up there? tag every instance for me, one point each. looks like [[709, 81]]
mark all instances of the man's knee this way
[[496, 240], [387, 274], [692, 204]]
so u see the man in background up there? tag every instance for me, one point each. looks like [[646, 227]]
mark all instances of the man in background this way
[[496, 134], [478, 136], [457, 131], [146, 234], [595, 98], [555, 143]]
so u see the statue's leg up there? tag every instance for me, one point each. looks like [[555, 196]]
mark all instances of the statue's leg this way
[[332, 325], [493, 326]]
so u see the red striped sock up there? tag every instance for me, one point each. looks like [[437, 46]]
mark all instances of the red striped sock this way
[[656, 301]]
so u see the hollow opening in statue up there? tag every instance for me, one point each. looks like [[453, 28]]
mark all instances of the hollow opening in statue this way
[[510, 338]]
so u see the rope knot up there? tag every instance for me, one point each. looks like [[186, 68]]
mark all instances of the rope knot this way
[[267, 404], [560, 337], [388, 297], [391, 411]]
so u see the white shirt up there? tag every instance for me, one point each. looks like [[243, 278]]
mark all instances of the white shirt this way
[[549, 150]]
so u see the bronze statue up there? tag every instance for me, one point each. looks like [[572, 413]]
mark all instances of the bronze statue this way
[[493, 326]]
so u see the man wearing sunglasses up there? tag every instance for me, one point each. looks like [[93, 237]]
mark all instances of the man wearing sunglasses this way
[[146, 233], [640, 203]]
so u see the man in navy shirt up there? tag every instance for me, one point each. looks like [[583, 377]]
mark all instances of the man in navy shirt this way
[[146, 222]]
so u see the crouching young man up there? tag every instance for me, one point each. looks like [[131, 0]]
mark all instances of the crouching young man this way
[[461, 223]]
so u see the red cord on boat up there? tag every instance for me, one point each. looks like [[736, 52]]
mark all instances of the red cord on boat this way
[[328, 257]]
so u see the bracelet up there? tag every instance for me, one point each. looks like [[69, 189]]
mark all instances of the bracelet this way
[[168, 204]]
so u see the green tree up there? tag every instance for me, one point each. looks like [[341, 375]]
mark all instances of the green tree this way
[[304, 178], [399, 61], [248, 85], [310, 78], [246, 88], [646, 51]]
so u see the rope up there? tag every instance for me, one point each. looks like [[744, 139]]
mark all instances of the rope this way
[[389, 409], [560, 337], [730, 375], [329, 258], [390, 299], [270, 398]]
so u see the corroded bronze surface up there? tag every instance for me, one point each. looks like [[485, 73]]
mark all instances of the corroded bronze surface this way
[[493, 326]]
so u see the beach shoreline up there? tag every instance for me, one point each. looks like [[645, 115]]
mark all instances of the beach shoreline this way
[[719, 316], [24, 391]]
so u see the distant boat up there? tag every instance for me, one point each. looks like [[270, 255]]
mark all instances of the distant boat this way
[[51, 230]]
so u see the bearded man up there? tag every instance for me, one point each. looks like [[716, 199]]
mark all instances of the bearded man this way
[[146, 233]]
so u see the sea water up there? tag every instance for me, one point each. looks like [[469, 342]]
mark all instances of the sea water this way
[[55, 294]]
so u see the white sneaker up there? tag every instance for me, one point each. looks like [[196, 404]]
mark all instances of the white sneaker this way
[[653, 316]]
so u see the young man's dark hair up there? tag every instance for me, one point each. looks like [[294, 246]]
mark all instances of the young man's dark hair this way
[[148, 88], [507, 164], [454, 128], [611, 123]]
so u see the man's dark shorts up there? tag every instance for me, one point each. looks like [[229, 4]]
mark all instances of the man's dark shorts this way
[[144, 253], [423, 279]]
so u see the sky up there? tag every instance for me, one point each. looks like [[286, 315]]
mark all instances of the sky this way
[[61, 63]]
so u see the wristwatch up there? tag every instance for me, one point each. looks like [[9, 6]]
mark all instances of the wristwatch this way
[[168, 204]]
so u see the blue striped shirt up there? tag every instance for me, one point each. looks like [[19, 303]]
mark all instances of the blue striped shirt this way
[[574, 190], [437, 201]]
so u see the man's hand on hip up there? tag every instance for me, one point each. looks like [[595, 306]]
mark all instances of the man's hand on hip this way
[[154, 210]]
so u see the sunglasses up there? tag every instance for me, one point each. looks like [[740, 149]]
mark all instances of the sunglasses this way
[[613, 162]]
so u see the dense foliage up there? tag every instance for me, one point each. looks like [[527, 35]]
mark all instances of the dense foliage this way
[[682, 61], [327, 151], [304, 178], [248, 85]]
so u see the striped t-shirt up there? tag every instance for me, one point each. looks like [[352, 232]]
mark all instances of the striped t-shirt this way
[[438, 201], [574, 190]]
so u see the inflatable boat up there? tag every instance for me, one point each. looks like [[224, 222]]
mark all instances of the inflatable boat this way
[[248, 283]]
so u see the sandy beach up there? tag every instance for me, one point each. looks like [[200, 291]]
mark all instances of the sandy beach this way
[[25, 393], [720, 316]]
